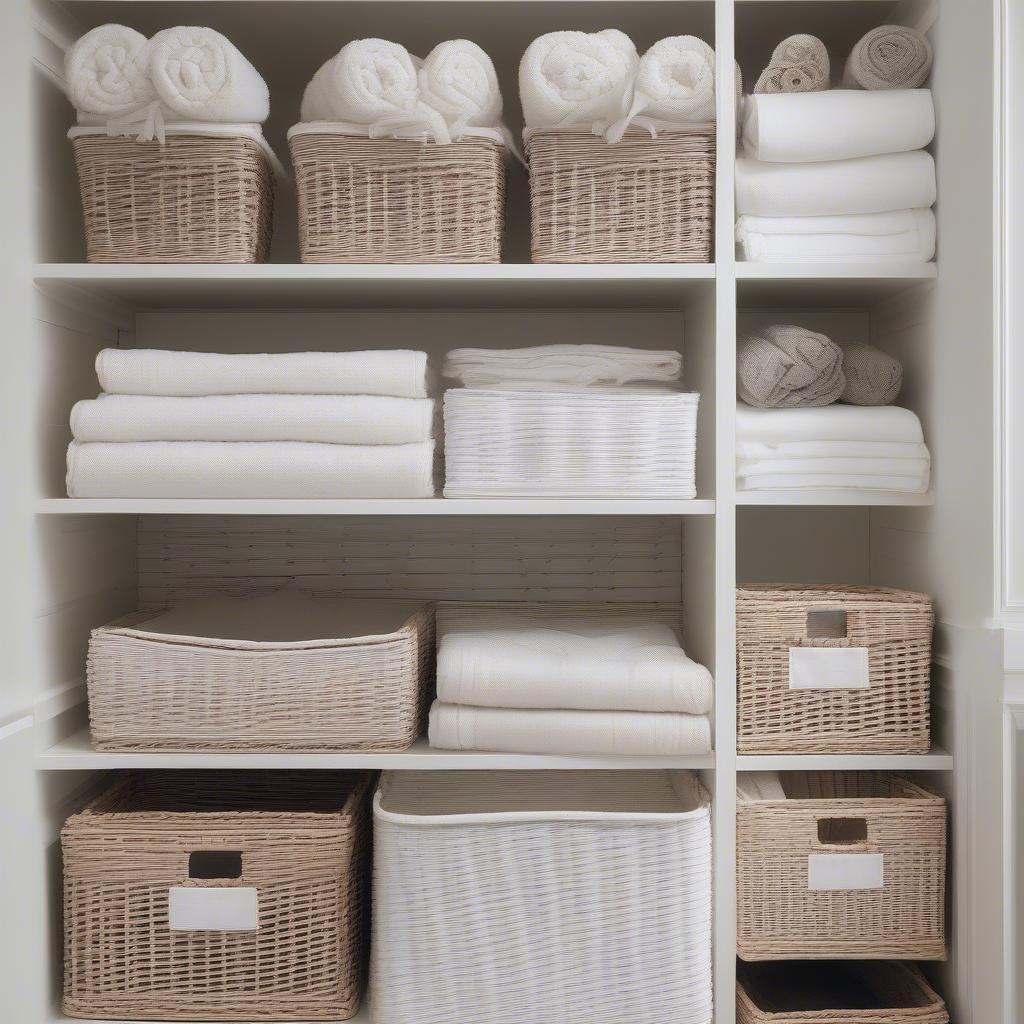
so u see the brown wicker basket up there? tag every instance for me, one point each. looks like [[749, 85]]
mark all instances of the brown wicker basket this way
[[367, 200], [152, 691], [836, 993], [891, 715], [641, 200], [299, 839], [879, 822], [192, 199]]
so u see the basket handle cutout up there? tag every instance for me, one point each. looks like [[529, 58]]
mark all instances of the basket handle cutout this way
[[215, 864], [842, 831], [827, 624]]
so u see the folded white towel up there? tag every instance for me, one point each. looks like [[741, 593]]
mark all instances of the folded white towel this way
[[830, 450], [872, 184], [401, 373], [531, 731], [901, 236], [888, 423], [201, 75], [458, 80], [913, 484], [239, 469], [760, 786], [839, 124], [750, 468], [106, 72], [329, 419], [543, 658]]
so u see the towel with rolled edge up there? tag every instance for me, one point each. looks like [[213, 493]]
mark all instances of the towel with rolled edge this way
[[873, 377], [249, 469], [785, 367], [798, 64], [106, 72], [889, 57], [913, 484], [327, 419], [838, 124], [832, 466], [902, 450], [399, 372], [760, 786], [459, 81], [842, 423], [547, 731]]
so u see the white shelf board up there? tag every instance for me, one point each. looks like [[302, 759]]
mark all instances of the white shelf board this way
[[833, 284], [76, 753], [833, 497], [936, 760]]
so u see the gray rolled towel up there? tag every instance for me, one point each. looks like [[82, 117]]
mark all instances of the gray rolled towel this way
[[799, 64], [872, 376], [788, 367], [889, 57]]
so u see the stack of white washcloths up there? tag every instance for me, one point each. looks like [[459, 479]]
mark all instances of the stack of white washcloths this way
[[293, 425], [567, 680], [843, 447]]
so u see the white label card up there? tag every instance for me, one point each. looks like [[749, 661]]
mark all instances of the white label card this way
[[828, 668], [843, 872], [219, 909]]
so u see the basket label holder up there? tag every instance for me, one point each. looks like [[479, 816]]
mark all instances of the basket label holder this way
[[213, 908], [828, 668], [845, 872]]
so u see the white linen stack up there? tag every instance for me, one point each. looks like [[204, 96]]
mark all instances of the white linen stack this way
[[834, 447], [292, 425], [567, 680]]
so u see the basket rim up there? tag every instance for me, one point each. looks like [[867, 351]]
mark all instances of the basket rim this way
[[860, 594], [917, 795]]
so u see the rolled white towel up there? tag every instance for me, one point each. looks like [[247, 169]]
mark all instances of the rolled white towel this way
[[106, 72], [200, 75], [458, 80]]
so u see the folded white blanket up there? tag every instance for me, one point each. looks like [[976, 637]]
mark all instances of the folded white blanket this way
[[902, 236], [834, 482], [760, 786], [330, 419], [514, 658], [830, 450], [839, 124], [834, 466], [888, 423], [107, 74], [267, 469], [400, 373], [530, 731], [458, 80], [872, 184]]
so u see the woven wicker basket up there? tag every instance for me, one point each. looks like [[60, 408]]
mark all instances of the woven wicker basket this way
[[192, 199], [150, 691], [839, 993], [299, 839], [397, 200], [641, 200], [880, 823], [890, 715]]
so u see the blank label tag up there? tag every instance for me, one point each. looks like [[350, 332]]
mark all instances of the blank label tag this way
[[840, 872], [232, 909], [828, 668]]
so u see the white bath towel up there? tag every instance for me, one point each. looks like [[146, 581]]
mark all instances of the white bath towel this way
[[888, 424], [459, 81], [574, 79], [901, 236], [902, 450], [400, 372], [201, 75], [268, 469], [872, 184], [839, 124], [834, 482], [834, 466], [106, 72], [329, 419], [531, 731], [760, 786]]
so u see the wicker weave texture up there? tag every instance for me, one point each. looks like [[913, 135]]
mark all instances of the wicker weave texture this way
[[780, 918], [304, 844], [399, 201], [535, 897], [158, 693], [642, 200], [193, 199], [892, 715]]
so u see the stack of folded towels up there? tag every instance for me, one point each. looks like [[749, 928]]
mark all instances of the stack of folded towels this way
[[567, 680], [294, 425], [839, 175]]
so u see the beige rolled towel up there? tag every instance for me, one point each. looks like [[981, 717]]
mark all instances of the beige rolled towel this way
[[799, 64], [872, 376], [788, 367], [889, 57]]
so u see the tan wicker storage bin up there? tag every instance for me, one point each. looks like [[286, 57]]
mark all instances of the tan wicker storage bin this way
[[367, 200], [850, 864], [153, 691], [839, 993], [192, 199], [890, 715], [147, 934], [641, 200]]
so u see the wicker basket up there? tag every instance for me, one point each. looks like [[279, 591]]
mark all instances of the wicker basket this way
[[571, 897], [890, 714], [839, 993], [397, 200], [293, 849], [884, 897], [641, 200], [152, 691], [192, 199]]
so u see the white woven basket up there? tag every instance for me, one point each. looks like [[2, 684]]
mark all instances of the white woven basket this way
[[534, 897], [616, 442]]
